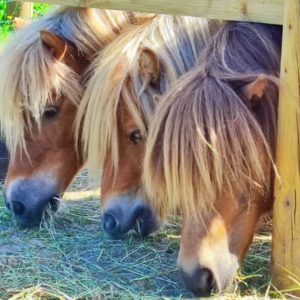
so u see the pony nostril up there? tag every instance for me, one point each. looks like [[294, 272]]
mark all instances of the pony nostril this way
[[201, 282], [145, 221], [110, 223], [54, 203], [140, 212], [17, 207], [207, 280]]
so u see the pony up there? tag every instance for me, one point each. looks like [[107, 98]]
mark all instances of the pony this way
[[120, 99], [210, 151], [44, 67]]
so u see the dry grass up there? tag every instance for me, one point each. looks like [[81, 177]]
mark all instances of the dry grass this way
[[71, 258]]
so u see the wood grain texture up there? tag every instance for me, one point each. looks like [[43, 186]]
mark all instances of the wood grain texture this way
[[286, 228], [265, 11], [26, 10]]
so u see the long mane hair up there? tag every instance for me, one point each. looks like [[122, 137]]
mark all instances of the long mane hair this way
[[33, 76], [206, 140], [176, 41]]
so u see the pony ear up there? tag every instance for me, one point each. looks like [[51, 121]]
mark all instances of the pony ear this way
[[19, 23], [255, 90], [55, 44], [149, 65]]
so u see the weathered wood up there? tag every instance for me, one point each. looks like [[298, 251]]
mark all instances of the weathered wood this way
[[286, 229], [265, 11], [26, 10], [20, 9]]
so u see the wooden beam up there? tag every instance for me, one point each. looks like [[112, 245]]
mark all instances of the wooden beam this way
[[286, 228], [265, 11]]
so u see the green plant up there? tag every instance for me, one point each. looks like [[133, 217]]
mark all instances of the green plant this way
[[5, 21], [6, 24]]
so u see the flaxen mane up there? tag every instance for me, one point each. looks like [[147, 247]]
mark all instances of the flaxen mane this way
[[32, 75], [206, 140], [176, 41]]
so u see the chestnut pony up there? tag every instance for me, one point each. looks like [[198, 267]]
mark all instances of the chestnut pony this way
[[120, 100], [210, 151], [43, 67]]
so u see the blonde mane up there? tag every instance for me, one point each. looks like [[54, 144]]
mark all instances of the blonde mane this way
[[176, 41], [206, 141], [32, 75]]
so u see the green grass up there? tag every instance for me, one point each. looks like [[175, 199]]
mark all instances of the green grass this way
[[6, 26], [74, 259]]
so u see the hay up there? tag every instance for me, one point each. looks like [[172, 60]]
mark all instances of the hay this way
[[70, 257]]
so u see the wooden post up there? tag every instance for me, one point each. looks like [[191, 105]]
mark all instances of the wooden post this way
[[26, 10], [286, 228], [20, 9]]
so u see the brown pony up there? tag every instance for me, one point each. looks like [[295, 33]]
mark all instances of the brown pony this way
[[120, 100], [43, 67], [210, 151]]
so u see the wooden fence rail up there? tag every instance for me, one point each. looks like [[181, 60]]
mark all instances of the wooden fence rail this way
[[265, 11], [286, 238]]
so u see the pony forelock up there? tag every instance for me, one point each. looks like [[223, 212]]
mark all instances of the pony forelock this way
[[205, 142], [115, 78], [33, 77]]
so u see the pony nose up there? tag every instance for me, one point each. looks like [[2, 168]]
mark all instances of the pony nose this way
[[121, 218], [111, 224], [18, 208], [201, 282], [27, 214], [29, 198]]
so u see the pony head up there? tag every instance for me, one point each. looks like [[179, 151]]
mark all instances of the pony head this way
[[120, 100], [44, 65], [210, 149]]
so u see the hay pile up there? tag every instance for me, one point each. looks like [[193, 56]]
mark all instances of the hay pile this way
[[72, 258]]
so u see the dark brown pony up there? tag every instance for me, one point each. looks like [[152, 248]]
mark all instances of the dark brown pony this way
[[43, 67], [210, 151]]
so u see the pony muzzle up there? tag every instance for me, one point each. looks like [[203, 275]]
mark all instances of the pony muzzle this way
[[206, 261], [127, 212], [201, 282], [29, 198]]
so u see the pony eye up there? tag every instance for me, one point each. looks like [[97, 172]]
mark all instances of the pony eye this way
[[50, 112], [135, 136]]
